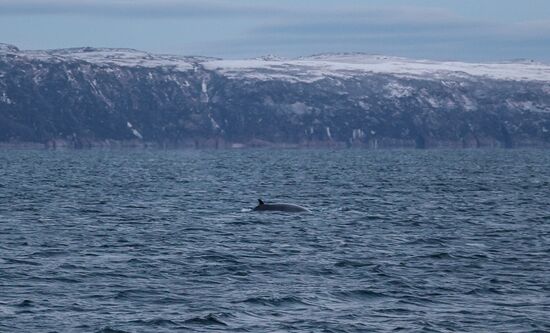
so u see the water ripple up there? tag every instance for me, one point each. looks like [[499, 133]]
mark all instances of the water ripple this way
[[117, 241]]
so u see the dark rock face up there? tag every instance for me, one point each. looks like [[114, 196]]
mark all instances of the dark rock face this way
[[86, 97]]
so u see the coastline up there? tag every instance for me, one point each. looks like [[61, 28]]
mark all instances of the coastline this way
[[382, 143]]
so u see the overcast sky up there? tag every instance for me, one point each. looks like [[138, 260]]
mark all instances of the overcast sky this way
[[472, 30]]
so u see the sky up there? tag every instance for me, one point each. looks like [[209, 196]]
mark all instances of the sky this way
[[467, 30]]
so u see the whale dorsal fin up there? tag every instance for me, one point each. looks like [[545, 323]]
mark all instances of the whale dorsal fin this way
[[260, 202]]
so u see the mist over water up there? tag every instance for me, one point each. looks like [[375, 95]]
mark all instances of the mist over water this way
[[164, 241]]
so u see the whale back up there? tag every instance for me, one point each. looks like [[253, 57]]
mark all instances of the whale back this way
[[280, 207]]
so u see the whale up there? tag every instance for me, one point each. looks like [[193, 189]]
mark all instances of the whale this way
[[279, 207]]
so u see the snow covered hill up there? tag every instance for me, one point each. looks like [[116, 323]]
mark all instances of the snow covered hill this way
[[103, 57], [348, 65], [96, 96]]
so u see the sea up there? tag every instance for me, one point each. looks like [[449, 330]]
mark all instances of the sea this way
[[144, 240]]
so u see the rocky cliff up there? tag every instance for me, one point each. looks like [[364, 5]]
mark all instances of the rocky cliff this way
[[84, 97]]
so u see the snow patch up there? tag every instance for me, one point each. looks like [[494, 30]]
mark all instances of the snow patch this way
[[364, 105], [329, 135], [214, 123], [358, 134], [299, 108], [397, 90], [204, 90], [137, 134], [434, 103], [469, 105], [134, 131], [5, 99], [526, 106]]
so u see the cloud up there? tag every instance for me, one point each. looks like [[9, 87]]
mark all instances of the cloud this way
[[403, 21], [299, 27], [425, 32], [137, 8]]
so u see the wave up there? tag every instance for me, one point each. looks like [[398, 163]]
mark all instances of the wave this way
[[484, 291], [436, 255], [49, 253], [110, 330], [155, 322], [360, 294], [351, 263], [426, 241], [25, 304], [21, 262], [70, 266], [133, 293], [55, 279], [275, 301], [209, 319]]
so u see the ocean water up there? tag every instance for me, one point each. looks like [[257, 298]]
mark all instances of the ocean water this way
[[165, 241]]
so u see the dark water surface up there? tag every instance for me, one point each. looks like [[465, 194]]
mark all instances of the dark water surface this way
[[163, 241]]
